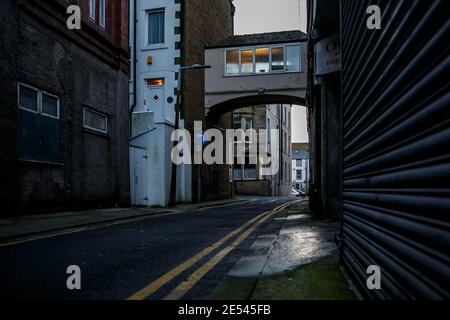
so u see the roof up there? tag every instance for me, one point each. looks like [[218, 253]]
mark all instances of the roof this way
[[300, 154], [260, 38]]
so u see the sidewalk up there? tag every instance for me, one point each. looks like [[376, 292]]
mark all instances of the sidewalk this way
[[294, 258], [24, 226]]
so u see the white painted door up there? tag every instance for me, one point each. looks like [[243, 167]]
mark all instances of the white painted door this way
[[139, 177], [155, 99]]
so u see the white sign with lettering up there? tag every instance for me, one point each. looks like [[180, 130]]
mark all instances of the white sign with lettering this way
[[328, 55]]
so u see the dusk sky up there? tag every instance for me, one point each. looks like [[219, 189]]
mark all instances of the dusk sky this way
[[258, 16]]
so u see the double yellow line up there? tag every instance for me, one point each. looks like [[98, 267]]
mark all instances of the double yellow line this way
[[198, 274]]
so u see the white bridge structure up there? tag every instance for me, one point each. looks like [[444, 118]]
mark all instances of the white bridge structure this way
[[249, 70]]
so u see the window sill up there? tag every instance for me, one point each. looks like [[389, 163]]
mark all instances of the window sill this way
[[97, 133], [260, 74], [38, 162], [155, 47]]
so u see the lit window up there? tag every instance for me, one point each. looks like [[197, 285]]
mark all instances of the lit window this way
[[155, 82], [156, 26], [247, 61], [102, 10], [232, 59], [95, 121], [277, 59], [293, 58], [92, 5], [262, 60]]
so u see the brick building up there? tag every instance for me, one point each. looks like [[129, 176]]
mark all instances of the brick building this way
[[166, 35], [247, 177], [64, 118]]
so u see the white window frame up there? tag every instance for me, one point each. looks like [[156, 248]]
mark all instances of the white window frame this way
[[39, 101], [92, 128], [102, 13], [93, 10], [250, 179], [270, 47], [57, 105], [147, 13]]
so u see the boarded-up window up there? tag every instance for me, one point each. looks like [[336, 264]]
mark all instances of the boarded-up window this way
[[38, 125], [94, 120]]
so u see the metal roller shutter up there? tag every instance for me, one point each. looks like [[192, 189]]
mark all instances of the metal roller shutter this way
[[396, 147]]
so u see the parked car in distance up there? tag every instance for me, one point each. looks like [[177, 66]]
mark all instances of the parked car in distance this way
[[297, 193]]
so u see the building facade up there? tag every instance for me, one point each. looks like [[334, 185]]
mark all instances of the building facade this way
[[248, 177], [64, 116], [164, 36], [300, 170], [381, 155]]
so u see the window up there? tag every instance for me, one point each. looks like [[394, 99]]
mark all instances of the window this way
[[38, 125], [298, 162], [95, 121], [247, 61], [232, 59], [38, 101], [262, 60], [50, 106], [156, 26], [299, 175], [243, 121], [245, 172], [249, 171], [293, 58], [278, 59], [237, 172], [92, 8], [28, 98], [102, 13], [155, 82]]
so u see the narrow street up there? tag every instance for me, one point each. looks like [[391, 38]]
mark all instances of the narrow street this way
[[132, 259]]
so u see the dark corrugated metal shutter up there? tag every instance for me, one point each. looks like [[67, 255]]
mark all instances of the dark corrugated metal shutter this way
[[396, 147]]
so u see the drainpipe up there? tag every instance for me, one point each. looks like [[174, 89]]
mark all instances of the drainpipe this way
[[135, 60]]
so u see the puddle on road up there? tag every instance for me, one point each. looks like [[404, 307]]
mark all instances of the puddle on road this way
[[297, 246]]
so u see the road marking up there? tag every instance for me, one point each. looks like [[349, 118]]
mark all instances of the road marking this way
[[79, 229], [197, 275], [170, 275], [51, 234], [226, 205]]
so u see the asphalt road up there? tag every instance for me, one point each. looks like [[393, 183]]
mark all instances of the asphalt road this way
[[119, 261]]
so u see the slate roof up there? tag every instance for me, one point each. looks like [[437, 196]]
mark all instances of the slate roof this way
[[260, 38]]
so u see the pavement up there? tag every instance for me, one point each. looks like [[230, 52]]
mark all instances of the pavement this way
[[295, 257]]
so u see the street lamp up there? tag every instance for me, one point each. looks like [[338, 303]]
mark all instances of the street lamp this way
[[173, 179]]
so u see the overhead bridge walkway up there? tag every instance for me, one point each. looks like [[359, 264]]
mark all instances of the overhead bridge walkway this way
[[248, 70]]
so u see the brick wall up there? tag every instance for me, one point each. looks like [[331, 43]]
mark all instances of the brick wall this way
[[8, 89], [204, 22], [83, 68]]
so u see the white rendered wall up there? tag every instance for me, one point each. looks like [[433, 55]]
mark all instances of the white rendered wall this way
[[157, 141]]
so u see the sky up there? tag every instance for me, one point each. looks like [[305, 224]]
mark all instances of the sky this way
[[258, 16]]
